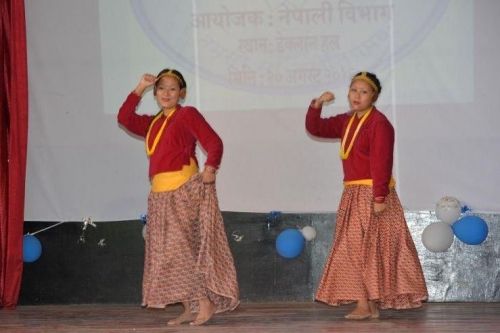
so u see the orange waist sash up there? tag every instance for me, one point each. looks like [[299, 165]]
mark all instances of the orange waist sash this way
[[172, 180], [368, 182]]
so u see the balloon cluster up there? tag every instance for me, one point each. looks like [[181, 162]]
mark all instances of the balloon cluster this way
[[470, 229], [290, 242]]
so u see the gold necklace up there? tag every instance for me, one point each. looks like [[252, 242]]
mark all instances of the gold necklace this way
[[343, 153], [150, 151]]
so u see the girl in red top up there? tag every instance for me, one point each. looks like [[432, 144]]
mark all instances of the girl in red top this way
[[373, 261], [187, 256]]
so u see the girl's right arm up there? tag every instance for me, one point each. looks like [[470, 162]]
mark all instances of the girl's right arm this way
[[137, 124], [323, 127]]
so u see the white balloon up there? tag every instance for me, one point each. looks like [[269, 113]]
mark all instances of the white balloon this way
[[448, 209], [309, 233], [438, 237]]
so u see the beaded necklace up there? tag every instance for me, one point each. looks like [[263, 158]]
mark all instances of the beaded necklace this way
[[344, 154], [151, 150]]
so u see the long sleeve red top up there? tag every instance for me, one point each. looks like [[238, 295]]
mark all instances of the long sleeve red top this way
[[371, 156], [178, 141]]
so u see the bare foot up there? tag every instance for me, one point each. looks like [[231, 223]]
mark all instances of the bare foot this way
[[362, 311], [183, 318], [358, 316], [207, 310], [373, 310]]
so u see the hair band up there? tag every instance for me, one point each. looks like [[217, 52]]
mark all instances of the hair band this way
[[366, 78], [171, 74]]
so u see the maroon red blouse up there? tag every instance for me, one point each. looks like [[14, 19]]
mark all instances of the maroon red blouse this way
[[178, 140], [371, 156]]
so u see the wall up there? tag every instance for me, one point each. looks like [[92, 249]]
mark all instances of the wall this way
[[104, 264]]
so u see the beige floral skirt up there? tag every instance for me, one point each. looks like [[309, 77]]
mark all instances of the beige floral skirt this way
[[373, 256], [187, 255]]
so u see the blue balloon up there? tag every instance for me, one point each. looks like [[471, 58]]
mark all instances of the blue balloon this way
[[32, 248], [471, 229], [290, 243]]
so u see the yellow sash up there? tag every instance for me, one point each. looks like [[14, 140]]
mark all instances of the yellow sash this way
[[368, 182], [172, 180]]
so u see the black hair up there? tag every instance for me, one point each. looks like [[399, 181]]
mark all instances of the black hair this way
[[373, 78], [176, 74]]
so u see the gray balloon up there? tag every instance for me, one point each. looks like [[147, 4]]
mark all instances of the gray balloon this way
[[438, 237]]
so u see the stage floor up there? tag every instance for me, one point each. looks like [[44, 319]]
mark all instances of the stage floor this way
[[252, 317]]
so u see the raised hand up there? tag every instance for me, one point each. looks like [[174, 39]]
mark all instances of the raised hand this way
[[325, 97], [146, 81]]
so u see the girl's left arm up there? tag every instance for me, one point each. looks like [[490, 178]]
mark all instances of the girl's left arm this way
[[381, 158], [208, 138]]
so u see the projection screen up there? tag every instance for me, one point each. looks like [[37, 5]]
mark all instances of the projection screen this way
[[252, 69]]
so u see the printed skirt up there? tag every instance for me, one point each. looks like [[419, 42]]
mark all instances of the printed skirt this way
[[373, 256], [187, 255]]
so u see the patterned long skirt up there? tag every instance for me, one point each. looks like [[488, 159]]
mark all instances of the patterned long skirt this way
[[373, 256], [187, 255]]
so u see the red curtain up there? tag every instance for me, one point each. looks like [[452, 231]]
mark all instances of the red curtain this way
[[13, 145]]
